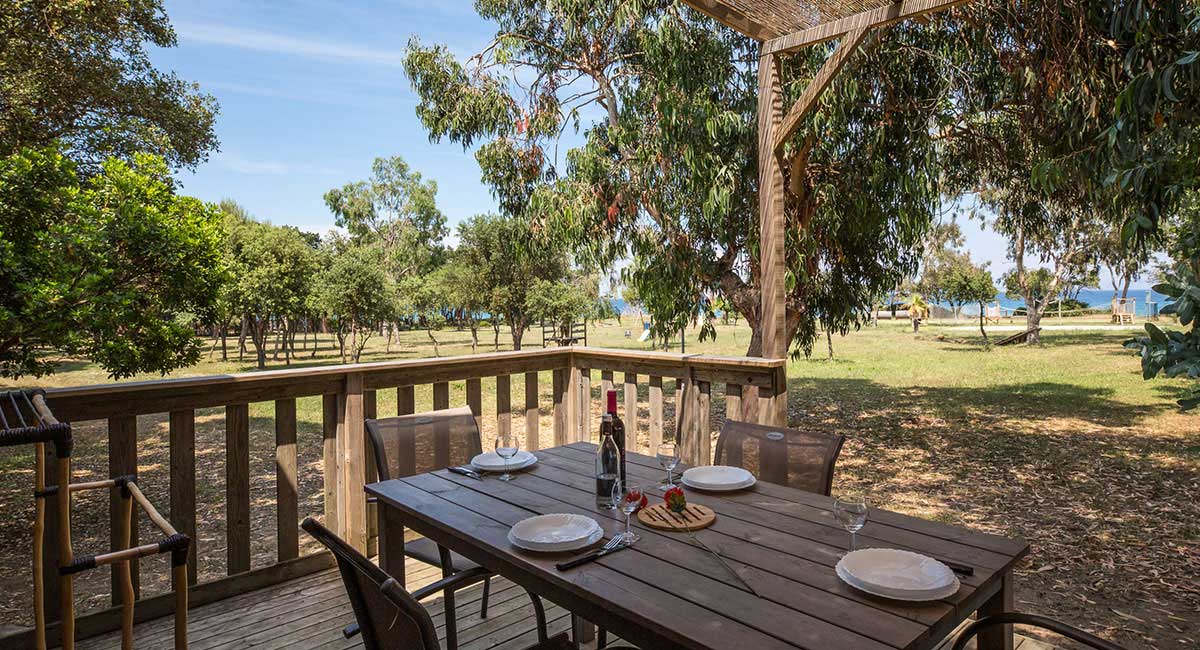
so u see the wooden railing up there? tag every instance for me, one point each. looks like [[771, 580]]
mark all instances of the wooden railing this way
[[349, 395]]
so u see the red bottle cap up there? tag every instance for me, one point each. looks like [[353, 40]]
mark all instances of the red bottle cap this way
[[612, 401]]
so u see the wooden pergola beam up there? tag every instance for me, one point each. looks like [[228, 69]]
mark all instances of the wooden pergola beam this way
[[880, 17], [808, 100], [731, 17]]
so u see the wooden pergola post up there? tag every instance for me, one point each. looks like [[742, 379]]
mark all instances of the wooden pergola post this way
[[773, 234], [782, 27]]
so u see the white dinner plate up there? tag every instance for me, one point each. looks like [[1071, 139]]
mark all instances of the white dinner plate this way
[[555, 533], [718, 478], [897, 574], [492, 462]]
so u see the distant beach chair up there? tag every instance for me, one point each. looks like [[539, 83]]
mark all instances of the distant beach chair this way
[[1123, 310], [995, 312]]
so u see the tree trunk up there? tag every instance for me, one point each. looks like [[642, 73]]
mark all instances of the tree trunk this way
[[496, 340], [982, 331], [829, 342], [1033, 318], [474, 337], [242, 338], [517, 334], [429, 331]]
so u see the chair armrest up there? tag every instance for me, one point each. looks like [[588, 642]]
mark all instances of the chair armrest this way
[[1033, 620], [350, 631], [456, 581]]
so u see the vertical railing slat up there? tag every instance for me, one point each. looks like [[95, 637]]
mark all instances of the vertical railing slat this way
[[237, 488], [441, 446], [560, 395], [370, 412], [733, 402], [656, 413], [631, 414], [532, 417], [503, 405], [606, 384], [182, 431], [287, 489], [351, 435], [573, 410], [406, 403], [475, 401], [704, 422], [441, 396], [329, 458], [122, 461], [584, 432]]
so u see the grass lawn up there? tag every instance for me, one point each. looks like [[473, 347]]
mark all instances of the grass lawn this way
[[1063, 444]]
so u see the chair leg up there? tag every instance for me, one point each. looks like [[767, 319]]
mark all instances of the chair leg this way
[[483, 602], [601, 638], [539, 613], [451, 620]]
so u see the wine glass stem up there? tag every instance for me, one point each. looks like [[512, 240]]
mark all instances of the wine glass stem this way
[[853, 535], [626, 524]]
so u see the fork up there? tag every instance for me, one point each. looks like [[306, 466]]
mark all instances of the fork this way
[[614, 544]]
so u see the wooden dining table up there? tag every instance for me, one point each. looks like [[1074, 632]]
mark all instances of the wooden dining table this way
[[668, 590]]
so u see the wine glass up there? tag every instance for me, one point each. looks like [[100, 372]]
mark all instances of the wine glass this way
[[851, 513], [507, 447], [668, 457], [628, 498]]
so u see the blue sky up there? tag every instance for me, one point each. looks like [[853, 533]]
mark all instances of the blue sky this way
[[311, 91]]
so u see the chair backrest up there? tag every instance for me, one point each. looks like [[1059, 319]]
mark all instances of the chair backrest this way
[[799, 459], [414, 444], [388, 617]]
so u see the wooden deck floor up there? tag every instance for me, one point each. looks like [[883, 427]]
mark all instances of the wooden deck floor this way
[[309, 613]]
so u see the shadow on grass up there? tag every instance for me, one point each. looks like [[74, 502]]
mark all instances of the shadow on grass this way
[[1036, 401]]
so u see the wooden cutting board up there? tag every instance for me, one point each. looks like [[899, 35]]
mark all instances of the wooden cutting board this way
[[659, 517]]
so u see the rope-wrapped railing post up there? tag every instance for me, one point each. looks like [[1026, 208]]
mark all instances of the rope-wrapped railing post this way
[[32, 423], [172, 542]]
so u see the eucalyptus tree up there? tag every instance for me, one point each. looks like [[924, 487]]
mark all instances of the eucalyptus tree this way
[[80, 73], [1076, 118], [395, 209], [664, 102]]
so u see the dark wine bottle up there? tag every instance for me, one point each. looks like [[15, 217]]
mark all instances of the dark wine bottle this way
[[608, 465], [618, 429]]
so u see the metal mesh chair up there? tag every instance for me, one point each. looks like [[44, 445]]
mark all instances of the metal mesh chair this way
[[414, 444], [798, 459], [1032, 620]]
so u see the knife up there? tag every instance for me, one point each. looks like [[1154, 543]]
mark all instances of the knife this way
[[466, 472], [590, 557], [960, 569]]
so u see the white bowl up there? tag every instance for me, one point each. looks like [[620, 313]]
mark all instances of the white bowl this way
[[718, 478], [898, 574], [556, 532]]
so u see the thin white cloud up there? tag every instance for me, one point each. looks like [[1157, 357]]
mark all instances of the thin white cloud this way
[[241, 165], [262, 41]]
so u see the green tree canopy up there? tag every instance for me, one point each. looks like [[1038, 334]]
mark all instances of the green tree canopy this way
[[359, 292], [80, 73], [666, 102], [273, 268], [109, 268], [511, 258], [397, 210], [964, 283]]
